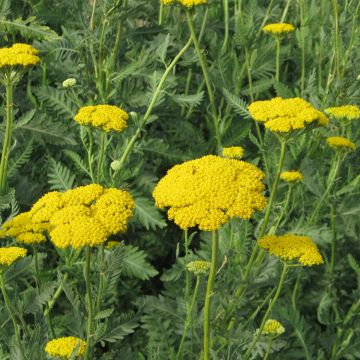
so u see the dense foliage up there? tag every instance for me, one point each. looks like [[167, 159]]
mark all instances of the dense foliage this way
[[182, 79]]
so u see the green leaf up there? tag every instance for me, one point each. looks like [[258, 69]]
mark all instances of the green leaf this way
[[189, 100], [78, 161], [21, 158], [147, 214], [135, 264], [237, 104], [60, 177]]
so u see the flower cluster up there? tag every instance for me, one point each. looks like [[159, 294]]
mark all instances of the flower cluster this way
[[199, 267], [22, 55], [210, 190], [69, 83], [9, 255], [187, 3], [105, 117], [348, 112], [285, 115], [87, 215], [233, 152], [273, 327], [64, 347], [291, 176], [278, 29], [292, 247], [340, 143]]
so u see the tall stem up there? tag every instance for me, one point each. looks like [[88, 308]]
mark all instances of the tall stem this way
[[268, 311], [8, 132], [226, 25], [268, 348], [209, 294], [337, 48], [189, 318], [205, 71], [277, 77], [133, 139], [12, 315], [187, 275], [89, 155], [101, 156], [90, 326], [283, 17], [333, 240]]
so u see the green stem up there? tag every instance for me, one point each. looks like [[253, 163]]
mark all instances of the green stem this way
[[89, 155], [189, 318], [295, 291], [337, 48], [333, 240], [284, 208], [209, 294], [161, 13], [302, 49], [267, 13], [205, 71], [226, 25], [8, 132], [12, 315], [268, 311], [283, 17], [277, 41], [56, 295], [101, 156], [101, 280], [331, 180], [132, 141], [268, 348], [90, 326], [187, 275]]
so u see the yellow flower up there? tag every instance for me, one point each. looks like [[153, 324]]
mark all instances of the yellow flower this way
[[210, 190], [285, 115], [10, 254], [292, 176], [292, 247], [22, 55], [187, 3], [236, 152], [340, 143], [105, 117], [65, 346], [273, 327], [24, 230], [278, 29], [199, 267], [348, 112]]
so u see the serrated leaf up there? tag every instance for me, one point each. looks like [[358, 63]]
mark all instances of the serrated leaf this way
[[147, 214], [19, 160], [189, 100], [78, 161], [60, 177], [238, 104], [135, 264]]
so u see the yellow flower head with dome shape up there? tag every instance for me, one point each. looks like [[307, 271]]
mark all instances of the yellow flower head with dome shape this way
[[286, 115], [273, 328], [278, 29], [105, 117], [64, 347], [85, 216], [292, 247], [206, 192], [340, 143], [18, 55], [186, 3], [11, 254], [347, 112], [291, 176]]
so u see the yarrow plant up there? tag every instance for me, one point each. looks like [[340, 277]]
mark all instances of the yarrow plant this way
[[291, 176], [340, 143], [66, 347]]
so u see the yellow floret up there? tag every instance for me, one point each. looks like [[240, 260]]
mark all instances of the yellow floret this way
[[286, 115], [46, 207], [349, 112], [105, 117], [292, 247], [10, 254], [279, 28], [273, 327], [65, 346], [187, 3], [199, 267], [291, 176], [340, 143], [208, 191], [233, 152], [18, 55]]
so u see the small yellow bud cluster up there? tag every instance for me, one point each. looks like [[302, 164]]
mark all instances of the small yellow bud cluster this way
[[340, 143], [273, 327], [198, 267], [278, 29], [291, 176], [64, 347], [348, 112], [233, 152]]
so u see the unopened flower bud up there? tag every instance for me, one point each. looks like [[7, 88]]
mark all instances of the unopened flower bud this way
[[69, 83]]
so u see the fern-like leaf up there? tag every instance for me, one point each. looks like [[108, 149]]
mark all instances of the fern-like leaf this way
[[60, 177]]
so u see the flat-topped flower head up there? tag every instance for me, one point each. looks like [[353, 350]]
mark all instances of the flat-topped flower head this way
[[286, 115], [105, 117], [186, 3], [278, 29], [24, 230], [85, 216], [291, 176], [18, 55], [340, 143], [273, 328], [66, 347], [347, 112], [292, 247], [11, 254], [198, 267], [233, 152], [206, 192]]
